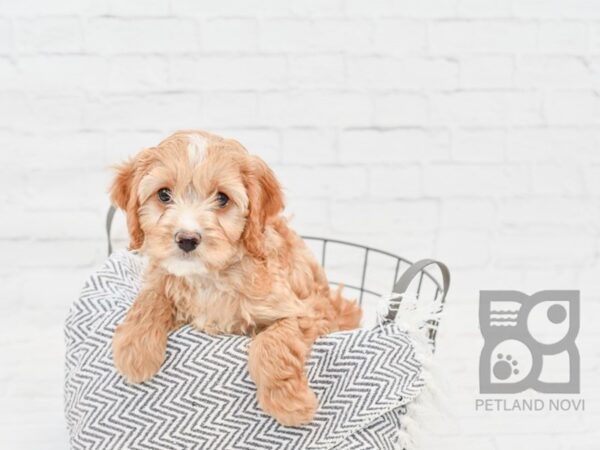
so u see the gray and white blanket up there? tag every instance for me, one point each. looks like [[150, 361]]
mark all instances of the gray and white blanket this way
[[203, 396]]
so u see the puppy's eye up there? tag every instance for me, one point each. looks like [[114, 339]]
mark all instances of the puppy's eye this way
[[164, 195], [222, 199]]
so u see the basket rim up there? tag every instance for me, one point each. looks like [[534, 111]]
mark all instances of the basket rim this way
[[369, 249]]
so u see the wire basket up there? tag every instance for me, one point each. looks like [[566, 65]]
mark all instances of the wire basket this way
[[369, 274]]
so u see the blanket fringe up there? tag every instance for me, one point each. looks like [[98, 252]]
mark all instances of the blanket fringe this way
[[416, 318]]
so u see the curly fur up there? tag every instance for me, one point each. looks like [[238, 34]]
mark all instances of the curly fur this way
[[251, 274]]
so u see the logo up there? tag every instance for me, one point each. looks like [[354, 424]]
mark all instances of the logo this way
[[529, 342]]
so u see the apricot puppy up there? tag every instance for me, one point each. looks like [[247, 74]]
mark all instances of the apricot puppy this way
[[206, 214]]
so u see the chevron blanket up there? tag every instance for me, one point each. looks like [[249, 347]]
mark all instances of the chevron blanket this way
[[203, 396]]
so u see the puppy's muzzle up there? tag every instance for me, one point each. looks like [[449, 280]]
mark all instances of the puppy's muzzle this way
[[187, 241]]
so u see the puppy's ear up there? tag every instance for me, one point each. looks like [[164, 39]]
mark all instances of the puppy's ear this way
[[123, 195], [265, 200]]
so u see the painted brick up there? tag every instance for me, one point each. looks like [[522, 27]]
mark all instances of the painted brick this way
[[138, 8], [366, 217], [572, 108], [137, 73], [401, 109], [479, 145], [6, 36], [309, 146], [466, 130], [141, 36], [476, 180], [553, 72], [319, 71], [556, 179], [9, 75], [484, 108], [451, 37], [393, 146], [230, 108], [227, 73], [553, 144], [561, 37], [156, 111], [464, 248], [227, 8], [334, 183], [484, 8], [407, 73], [56, 34], [400, 36], [230, 35], [468, 213], [404, 8], [315, 108], [54, 8], [63, 73], [486, 72], [396, 182]]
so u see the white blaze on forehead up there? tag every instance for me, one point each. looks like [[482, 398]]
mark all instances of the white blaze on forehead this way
[[196, 148]]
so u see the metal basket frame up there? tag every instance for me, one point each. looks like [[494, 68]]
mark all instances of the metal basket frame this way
[[369, 250], [401, 280]]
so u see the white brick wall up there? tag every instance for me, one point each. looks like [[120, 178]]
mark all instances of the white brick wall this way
[[466, 130]]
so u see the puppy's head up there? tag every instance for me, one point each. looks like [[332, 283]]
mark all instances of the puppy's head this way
[[196, 201]]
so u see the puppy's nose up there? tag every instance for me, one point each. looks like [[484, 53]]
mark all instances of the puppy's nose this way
[[187, 241]]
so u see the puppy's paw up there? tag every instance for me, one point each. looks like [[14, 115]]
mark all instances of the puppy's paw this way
[[290, 403], [137, 356]]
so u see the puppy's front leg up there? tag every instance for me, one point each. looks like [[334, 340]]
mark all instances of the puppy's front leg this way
[[276, 360], [140, 342]]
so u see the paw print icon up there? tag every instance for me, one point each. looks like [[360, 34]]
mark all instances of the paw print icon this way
[[529, 342]]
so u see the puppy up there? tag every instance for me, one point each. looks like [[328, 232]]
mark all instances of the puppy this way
[[206, 215]]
